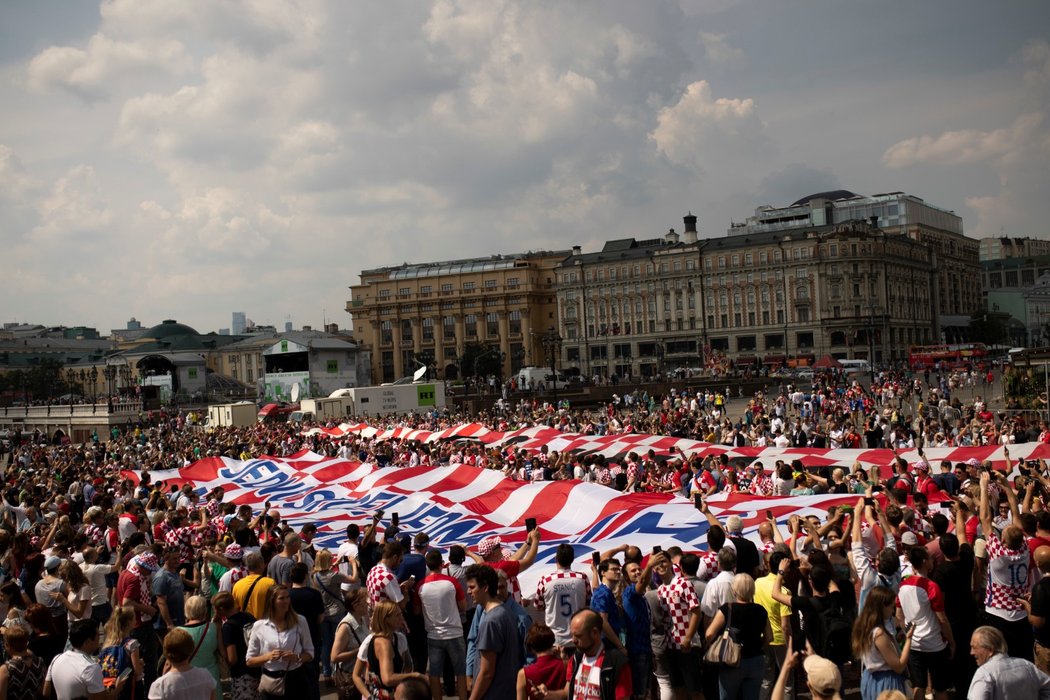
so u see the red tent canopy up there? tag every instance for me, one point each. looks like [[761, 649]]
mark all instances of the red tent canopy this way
[[826, 362]]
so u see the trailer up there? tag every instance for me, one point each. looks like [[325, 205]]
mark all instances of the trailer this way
[[321, 410], [231, 415], [393, 398]]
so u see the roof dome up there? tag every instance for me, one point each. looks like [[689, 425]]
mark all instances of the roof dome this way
[[830, 194], [169, 329]]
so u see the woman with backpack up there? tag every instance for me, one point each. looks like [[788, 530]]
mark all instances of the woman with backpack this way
[[349, 634], [120, 651], [329, 582], [884, 668], [236, 631]]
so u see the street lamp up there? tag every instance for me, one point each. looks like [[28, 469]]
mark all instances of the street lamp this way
[[551, 343]]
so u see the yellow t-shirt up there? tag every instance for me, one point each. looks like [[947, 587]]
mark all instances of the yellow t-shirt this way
[[257, 605], [775, 609]]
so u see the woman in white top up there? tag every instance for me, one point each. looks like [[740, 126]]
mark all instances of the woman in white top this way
[[78, 599], [183, 681], [873, 644], [280, 642]]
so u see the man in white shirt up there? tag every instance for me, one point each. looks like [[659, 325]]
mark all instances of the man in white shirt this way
[[75, 673], [561, 594], [443, 601], [719, 590], [348, 550]]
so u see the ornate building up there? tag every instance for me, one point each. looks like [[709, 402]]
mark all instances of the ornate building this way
[[429, 313], [648, 306]]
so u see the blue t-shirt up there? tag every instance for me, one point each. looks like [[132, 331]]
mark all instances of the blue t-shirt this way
[[168, 585], [498, 633], [603, 601], [636, 612]]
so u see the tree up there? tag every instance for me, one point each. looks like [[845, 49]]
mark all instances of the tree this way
[[481, 359]]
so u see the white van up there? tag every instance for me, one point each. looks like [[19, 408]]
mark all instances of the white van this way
[[853, 367], [537, 375]]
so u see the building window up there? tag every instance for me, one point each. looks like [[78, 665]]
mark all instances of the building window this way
[[384, 293], [468, 285], [446, 287], [386, 332], [428, 329], [721, 261], [470, 324], [803, 314], [406, 331], [404, 291], [449, 324], [736, 260], [512, 282], [763, 257], [492, 325], [515, 323]]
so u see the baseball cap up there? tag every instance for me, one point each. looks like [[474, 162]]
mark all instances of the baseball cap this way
[[909, 538], [52, 563], [822, 675], [487, 545]]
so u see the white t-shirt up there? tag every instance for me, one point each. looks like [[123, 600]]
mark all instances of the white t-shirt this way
[[96, 576], [562, 594], [192, 684], [440, 595], [74, 674], [351, 550], [76, 597]]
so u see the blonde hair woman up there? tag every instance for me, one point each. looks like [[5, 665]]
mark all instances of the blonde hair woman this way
[[280, 643], [329, 581], [206, 635], [383, 660]]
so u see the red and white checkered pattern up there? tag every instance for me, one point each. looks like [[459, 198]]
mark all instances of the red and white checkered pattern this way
[[762, 486], [181, 538], [678, 598], [376, 583], [1007, 576]]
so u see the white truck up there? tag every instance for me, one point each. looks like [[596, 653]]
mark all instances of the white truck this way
[[321, 410], [394, 398], [537, 377], [231, 415]]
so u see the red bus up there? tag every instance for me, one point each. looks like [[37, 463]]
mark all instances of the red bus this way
[[947, 356]]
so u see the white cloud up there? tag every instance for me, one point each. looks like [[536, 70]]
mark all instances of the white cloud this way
[[699, 128], [91, 73], [76, 206], [968, 146]]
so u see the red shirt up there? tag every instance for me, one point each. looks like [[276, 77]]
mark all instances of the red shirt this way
[[546, 670], [129, 589]]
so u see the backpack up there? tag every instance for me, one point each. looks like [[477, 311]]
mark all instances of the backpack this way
[[835, 630], [114, 660]]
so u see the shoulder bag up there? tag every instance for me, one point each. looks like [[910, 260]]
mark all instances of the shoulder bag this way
[[725, 651], [273, 682]]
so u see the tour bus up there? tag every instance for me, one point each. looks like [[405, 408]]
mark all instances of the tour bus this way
[[854, 367]]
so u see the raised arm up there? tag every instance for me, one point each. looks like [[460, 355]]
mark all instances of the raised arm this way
[[985, 510]]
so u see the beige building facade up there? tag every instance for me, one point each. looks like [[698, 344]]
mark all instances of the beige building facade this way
[[428, 313], [642, 307]]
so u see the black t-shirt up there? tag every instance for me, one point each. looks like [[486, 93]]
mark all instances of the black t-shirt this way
[[749, 622], [954, 579], [233, 633], [310, 604], [747, 559], [1041, 608], [809, 609]]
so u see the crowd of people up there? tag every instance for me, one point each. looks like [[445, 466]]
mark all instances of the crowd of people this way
[[112, 587]]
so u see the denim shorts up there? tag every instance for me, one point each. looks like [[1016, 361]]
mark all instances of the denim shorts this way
[[455, 650]]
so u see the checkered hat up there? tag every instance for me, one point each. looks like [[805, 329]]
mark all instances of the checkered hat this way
[[488, 545], [147, 561], [234, 551]]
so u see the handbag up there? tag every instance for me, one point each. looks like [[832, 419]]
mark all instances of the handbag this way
[[725, 651], [343, 679], [273, 682]]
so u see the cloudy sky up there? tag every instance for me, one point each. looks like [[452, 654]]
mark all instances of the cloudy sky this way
[[187, 159]]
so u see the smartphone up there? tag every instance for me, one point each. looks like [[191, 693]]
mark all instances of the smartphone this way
[[124, 674], [596, 558], [869, 501], [394, 519], [530, 524], [380, 513], [769, 515], [698, 501], [945, 505], [908, 627], [657, 549]]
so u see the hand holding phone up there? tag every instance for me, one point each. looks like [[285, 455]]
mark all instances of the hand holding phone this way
[[124, 675], [657, 549], [530, 524]]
